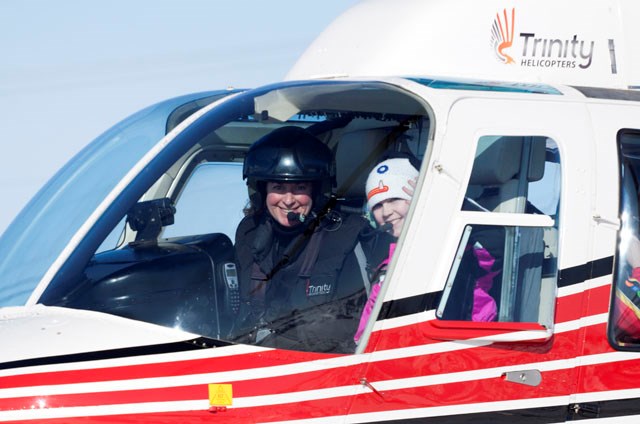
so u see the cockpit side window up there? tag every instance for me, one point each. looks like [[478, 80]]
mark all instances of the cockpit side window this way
[[508, 273], [624, 319], [198, 208]]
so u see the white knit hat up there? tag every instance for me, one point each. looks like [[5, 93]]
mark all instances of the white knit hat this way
[[386, 180]]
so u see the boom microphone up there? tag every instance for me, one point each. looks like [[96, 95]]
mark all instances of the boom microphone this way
[[386, 228], [295, 217]]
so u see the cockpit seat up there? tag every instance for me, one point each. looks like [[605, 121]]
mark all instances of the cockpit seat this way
[[355, 156], [496, 183]]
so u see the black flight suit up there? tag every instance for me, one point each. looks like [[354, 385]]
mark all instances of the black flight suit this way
[[302, 288]]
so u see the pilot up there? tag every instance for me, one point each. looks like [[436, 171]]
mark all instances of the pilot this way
[[389, 190], [302, 283]]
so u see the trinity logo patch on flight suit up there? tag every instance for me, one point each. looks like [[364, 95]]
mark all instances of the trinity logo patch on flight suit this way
[[318, 289]]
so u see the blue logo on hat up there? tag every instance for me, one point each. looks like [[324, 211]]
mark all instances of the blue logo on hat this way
[[382, 169]]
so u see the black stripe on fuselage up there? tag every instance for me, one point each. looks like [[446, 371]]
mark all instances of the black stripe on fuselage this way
[[615, 408], [544, 415], [425, 302], [410, 305], [187, 345], [578, 274]]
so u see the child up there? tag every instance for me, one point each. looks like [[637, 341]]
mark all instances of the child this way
[[389, 190]]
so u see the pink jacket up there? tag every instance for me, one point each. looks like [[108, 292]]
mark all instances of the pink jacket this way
[[375, 290]]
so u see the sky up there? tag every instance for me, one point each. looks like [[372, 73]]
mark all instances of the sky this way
[[71, 69]]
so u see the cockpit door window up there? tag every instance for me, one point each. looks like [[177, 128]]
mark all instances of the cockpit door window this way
[[508, 273]]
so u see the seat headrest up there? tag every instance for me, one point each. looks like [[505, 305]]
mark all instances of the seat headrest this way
[[356, 154], [498, 160]]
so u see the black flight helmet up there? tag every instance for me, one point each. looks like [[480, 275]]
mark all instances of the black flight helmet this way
[[289, 154]]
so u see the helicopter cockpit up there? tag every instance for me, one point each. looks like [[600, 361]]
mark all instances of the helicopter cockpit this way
[[141, 224], [168, 256]]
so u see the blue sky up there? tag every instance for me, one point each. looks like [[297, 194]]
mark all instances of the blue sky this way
[[70, 69]]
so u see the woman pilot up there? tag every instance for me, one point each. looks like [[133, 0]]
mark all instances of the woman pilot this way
[[302, 283]]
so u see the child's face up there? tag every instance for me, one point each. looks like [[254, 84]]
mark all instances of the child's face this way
[[391, 211]]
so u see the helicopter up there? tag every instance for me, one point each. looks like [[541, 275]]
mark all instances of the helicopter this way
[[119, 287]]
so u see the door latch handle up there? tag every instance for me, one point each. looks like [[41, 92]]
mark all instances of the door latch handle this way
[[526, 377]]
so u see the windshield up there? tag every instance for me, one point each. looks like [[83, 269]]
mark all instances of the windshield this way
[[42, 230], [252, 224]]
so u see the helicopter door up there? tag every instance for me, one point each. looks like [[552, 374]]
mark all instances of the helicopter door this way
[[474, 290]]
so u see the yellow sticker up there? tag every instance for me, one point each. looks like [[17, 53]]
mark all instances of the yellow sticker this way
[[220, 395]]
